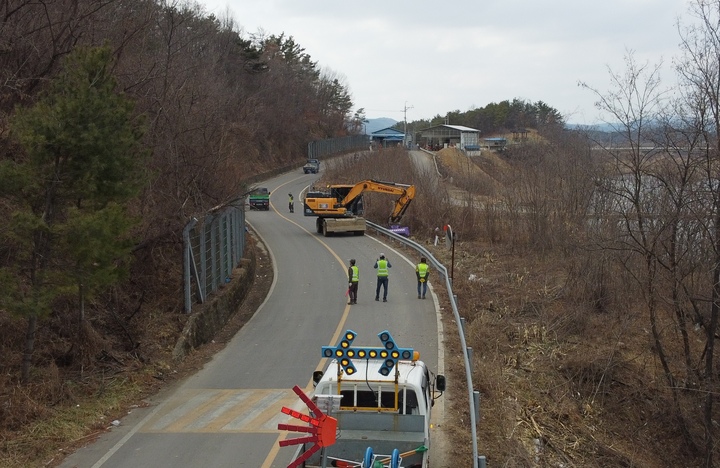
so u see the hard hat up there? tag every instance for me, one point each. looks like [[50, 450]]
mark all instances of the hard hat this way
[[382, 255]]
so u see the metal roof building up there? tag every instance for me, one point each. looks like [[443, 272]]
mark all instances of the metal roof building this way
[[387, 137], [441, 136]]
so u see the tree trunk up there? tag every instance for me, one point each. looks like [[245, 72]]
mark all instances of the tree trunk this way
[[710, 390], [81, 300], [29, 347]]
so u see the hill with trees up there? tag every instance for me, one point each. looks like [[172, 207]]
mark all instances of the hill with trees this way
[[501, 117], [119, 122]]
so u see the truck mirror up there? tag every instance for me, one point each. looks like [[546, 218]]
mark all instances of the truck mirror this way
[[317, 375], [440, 383]]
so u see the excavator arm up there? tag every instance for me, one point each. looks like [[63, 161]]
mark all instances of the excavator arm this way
[[343, 201], [406, 194]]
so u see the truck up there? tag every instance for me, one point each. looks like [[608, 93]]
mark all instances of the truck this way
[[312, 166], [259, 199], [380, 402], [340, 207]]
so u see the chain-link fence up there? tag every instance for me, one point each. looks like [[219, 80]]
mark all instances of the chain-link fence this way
[[319, 148], [213, 247]]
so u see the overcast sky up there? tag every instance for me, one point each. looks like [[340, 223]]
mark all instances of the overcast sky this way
[[426, 57]]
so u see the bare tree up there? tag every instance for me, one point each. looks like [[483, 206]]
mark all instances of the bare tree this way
[[664, 197], [699, 70]]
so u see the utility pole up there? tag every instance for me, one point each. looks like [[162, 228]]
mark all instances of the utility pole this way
[[405, 109]]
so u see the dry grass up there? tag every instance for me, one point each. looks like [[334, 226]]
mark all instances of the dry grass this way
[[563, 359], [560, 385], [42, 440]]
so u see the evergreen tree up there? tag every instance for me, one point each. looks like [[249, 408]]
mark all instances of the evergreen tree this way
[[69, 236]]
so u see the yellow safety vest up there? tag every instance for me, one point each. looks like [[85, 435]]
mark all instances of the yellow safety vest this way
[[382, 267], [356, 274], [422, 269]]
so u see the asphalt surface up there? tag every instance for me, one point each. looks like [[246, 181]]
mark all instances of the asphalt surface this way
[[227, 414]]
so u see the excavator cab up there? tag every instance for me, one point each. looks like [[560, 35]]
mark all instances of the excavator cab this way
[[353, 207]]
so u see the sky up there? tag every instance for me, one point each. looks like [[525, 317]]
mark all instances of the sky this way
[[416, 59]]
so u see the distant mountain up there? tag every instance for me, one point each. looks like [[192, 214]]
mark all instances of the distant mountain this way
[[373, 125], [598, 127]]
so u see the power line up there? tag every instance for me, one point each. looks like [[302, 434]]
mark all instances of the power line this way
[[383, 110]]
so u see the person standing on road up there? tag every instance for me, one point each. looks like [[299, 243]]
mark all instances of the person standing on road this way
[[422, 271], [353, 280], [291, 203], [382, 266]]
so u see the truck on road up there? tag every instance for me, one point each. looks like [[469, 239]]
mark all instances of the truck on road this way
[[340, 209], [381, 405], [259, 199], [312, 166]]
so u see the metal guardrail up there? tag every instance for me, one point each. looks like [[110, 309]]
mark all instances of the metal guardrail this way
[[211, 250], [468, 372]]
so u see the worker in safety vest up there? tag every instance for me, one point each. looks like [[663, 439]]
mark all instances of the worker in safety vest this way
[[422, 271], [382, 266], [353, 280]]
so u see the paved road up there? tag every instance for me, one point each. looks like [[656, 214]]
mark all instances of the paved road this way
[[227, 414], [425, 163]]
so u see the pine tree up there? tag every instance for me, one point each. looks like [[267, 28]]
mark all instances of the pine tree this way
[[70, 231]]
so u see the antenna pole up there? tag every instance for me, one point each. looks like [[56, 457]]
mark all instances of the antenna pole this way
[[405, 109]]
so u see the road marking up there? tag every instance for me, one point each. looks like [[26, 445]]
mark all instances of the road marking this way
[[224, 411]]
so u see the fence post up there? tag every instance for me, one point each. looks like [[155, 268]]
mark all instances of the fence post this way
[[187, 261]]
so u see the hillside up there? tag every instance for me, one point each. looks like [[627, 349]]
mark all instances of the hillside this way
[[561, 384]]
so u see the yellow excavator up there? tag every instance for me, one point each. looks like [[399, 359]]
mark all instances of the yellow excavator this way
[[340, 208]]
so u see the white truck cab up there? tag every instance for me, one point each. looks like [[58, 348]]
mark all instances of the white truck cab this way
[[379, 415]]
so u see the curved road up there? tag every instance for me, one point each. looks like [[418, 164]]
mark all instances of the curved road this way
[[227, 414]]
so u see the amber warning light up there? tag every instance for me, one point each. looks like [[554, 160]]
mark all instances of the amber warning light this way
[[390, 353]]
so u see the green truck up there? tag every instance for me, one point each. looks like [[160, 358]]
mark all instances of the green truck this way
[[259, 199]]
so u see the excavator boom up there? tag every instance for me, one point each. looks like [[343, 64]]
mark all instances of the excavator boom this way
[[406, 193]]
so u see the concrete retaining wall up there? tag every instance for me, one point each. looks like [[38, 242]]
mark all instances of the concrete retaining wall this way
[[207, 320]]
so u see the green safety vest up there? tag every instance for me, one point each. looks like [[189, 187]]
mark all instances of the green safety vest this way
[[422, 269], [382, 267], [355, 274]]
